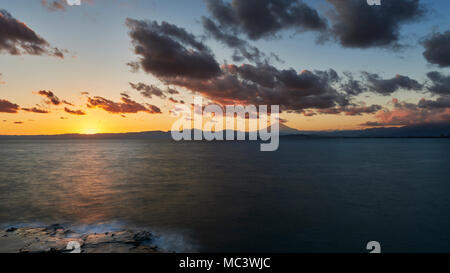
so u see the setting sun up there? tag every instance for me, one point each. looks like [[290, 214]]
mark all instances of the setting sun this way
[[90, 131], [224, 126]]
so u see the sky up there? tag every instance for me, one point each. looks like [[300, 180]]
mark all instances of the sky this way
[[112, 66]]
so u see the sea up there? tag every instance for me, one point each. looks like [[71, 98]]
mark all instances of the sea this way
[[311, 196]]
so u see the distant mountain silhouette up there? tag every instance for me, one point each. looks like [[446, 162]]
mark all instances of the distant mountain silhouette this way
[[425, 130], [135, 135], [286, 130]]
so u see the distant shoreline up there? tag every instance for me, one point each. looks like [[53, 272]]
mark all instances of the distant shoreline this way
[[437, 130], [134, 136]]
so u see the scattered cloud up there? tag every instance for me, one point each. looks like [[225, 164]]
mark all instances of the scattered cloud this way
[[265, 84], [148, 91], [388, 86], [358, 25], [242, 49], [166, 50], [74, 112], [173, 100], [35, 110], [404, 113], [440, 83], [360, 110], [261, 19], [437, 49], [126, 106], [439, 103], [352, 86], [52, 98], [351, 110], [134, 66], [16, 38], [8, 107]]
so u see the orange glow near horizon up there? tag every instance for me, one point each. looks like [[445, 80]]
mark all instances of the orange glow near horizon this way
[[90, 131], [99, 122]]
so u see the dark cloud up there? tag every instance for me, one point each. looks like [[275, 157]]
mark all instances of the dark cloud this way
[[148, 91], [265, 84], [371, 82], [51, 97], [265, 18], [359, 25], [388, 86], [439, 103], [153, 109], [74, 112], [126, 106], [166, 50], [135, 66], [173, 100], [172, 91], [35, 110], [360, 110], [1, 82], [352, 110], [306, 113], [18, 122], [260, 83], [437, 49], [440, 83], [16, 38], [330, 111], [352, 86], [8, 107], [164, 54], [404, 113], [243, 50], [372, 124]]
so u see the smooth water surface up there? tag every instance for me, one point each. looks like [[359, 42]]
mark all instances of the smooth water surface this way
[[313, 195]]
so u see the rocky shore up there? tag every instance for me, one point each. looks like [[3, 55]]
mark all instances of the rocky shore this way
[[57, 238]]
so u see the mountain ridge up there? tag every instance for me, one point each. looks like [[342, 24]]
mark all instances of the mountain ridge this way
[[425, 130]]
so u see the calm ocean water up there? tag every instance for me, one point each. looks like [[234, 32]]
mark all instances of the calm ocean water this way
[[313, 195]]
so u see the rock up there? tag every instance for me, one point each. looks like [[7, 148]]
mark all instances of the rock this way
[[55, 226], [143, 249], [143, 236], [55, 239]]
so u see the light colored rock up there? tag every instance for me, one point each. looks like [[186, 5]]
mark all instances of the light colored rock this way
[[56, 238]]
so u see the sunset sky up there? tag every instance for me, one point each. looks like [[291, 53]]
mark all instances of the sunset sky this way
[[112, 66]]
